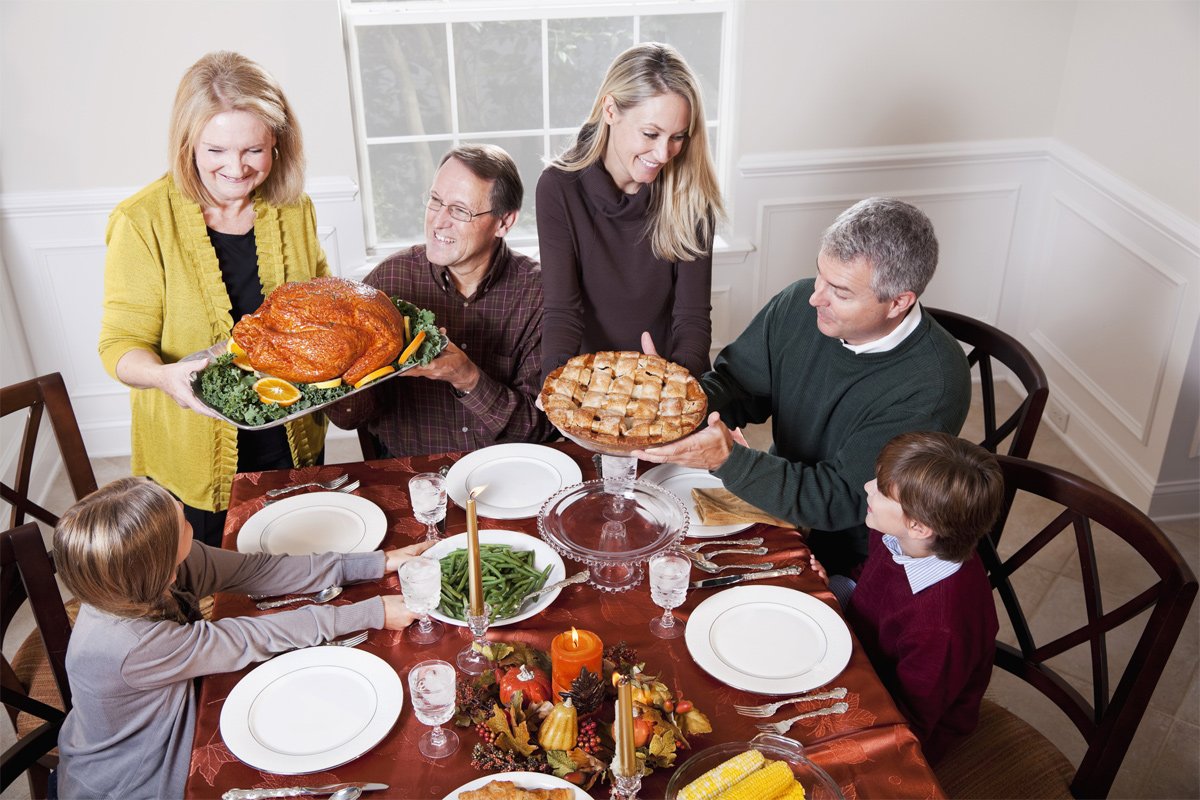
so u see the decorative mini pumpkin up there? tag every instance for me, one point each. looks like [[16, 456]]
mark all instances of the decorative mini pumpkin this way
[[560, 730], [531, 682]]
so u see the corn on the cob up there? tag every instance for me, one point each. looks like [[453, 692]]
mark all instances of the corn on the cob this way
[[794, 793], [722, 776], [765, 784]]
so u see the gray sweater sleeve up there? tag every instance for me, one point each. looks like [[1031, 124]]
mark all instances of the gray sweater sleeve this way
[[209, 569]]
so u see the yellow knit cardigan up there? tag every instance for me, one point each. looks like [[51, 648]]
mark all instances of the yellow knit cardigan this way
[[163, 293]]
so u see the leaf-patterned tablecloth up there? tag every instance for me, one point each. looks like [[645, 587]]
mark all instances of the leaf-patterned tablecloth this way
[[869, 751]]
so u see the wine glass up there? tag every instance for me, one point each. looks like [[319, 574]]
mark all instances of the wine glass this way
[[421, 582], [428, 494], [669, 574], [431, 684]]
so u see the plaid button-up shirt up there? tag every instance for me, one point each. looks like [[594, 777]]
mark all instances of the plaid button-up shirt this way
[[499, 328]]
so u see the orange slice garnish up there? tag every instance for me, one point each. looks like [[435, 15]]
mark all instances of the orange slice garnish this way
[[276, 391], [241, 358], [412, 347], [377, 374], [330, 384]]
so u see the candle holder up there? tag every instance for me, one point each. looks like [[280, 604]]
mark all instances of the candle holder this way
[[626, 787], [470, 659]]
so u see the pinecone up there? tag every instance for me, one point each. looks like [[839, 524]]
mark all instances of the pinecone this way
[[587, 692]]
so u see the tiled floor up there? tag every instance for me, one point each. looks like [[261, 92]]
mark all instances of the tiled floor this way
[[1164, 760]]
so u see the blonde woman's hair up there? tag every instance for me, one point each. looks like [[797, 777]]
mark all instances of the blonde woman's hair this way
[[685, 200], [225, 81], [116, 548]]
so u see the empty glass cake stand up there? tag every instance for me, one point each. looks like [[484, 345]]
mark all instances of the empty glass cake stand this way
[[614, 524]]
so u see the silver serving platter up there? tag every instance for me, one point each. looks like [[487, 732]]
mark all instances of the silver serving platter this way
[[219, 349]]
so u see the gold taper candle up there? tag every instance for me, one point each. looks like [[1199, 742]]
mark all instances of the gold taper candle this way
[[626, 760], [474, 571]]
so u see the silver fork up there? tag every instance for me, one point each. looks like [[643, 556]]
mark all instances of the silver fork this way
[[348, 641], [333, 483], [349, 487], [784, 725], [704, 564], [748, 551], [767, 709], [695, 548]]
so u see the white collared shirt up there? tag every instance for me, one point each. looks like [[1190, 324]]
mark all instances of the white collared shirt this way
[[921, 572], [883, 344]]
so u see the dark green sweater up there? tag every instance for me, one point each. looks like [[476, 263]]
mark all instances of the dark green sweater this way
[[831, 411]]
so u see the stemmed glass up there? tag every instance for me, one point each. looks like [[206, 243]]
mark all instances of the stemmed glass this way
[[428, 494], [431, 684], [669, 574], [421, 582], [470, 659]]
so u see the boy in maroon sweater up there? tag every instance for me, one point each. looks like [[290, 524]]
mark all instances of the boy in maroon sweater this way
[[922, 606]]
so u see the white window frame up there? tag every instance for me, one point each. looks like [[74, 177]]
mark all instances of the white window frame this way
[[412, 12]]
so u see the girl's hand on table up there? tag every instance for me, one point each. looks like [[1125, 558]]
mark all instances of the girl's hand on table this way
[[394, 558], [396, 616], [817, 569]]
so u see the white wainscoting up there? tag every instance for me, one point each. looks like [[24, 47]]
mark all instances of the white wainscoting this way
[[1098, 279], [53, 250]]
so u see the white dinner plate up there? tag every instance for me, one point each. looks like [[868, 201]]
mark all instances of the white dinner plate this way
[[519, 478], [525, 780], [768, 639], [317, 522], [311, 710], [680, 481], [543, 555]]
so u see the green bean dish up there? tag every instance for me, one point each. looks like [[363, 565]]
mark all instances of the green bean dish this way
[[508, 575]]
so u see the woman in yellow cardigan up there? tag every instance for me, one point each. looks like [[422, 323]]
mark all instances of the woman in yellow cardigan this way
[[190, 254]]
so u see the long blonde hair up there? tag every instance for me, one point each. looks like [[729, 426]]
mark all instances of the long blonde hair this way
[[225, 81], [116, 550], [685, 200]]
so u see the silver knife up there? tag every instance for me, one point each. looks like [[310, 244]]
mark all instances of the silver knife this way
[[730, 580], [297, 791]]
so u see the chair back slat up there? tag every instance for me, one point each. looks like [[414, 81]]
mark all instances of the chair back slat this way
[[27, 573], [1110, 719], [44, 395], [987, 344]]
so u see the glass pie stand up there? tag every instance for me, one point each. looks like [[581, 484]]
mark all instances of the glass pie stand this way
[[816, 781], [579, 524]]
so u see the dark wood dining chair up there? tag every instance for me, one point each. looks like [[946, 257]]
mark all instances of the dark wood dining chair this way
[[987, 343], [46, 394], [1007, 758], [34, 684]]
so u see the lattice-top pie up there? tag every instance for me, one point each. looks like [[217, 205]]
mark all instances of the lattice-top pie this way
[[624, 399]]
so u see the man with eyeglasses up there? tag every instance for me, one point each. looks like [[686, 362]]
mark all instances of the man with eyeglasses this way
[[488, 299]]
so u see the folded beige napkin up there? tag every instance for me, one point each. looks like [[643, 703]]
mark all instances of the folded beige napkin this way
[[723, 507]]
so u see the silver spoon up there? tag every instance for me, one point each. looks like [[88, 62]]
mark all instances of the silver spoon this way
[[578, 577], [348, 793], [323, 596]]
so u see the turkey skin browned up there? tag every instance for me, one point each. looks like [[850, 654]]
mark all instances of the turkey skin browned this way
[[322, 329]]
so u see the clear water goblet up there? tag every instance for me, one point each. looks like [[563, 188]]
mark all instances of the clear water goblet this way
[[669, 574], [431, 685], [421, 583], [427, 492]]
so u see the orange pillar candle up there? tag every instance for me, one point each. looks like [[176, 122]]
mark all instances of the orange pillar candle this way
[[570, 652], [474, 569]]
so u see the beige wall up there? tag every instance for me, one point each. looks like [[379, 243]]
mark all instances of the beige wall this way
[[87, 85], [831, 74], [1131, 95]]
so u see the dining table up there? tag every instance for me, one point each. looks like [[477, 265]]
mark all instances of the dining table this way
[[869, 751]]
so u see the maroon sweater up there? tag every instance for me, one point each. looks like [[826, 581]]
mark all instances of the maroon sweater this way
[[933, 650], [604, 285]]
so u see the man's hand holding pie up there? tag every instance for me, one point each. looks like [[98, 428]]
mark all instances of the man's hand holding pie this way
[[706, 449]]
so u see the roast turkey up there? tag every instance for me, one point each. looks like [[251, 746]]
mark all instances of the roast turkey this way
[[322, 329]]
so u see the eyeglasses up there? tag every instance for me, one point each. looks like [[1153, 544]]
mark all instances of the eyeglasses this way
[[459, 213]]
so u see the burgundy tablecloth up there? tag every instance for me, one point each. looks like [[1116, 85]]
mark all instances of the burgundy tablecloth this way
[[869, 751]]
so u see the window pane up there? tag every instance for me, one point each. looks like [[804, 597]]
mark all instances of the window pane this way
[[400, 176], [559, 143], [527, 152], [498, 69], [698, 38], [580, 51], [405, 79]]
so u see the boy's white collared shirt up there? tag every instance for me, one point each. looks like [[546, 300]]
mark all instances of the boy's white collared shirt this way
[[921, 572]]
